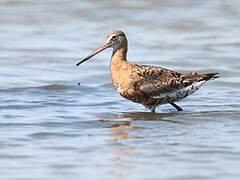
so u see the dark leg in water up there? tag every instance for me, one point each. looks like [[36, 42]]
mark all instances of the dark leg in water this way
[[153, 109], [176, 106]]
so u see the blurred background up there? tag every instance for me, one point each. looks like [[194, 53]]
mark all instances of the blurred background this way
[[53, 128]]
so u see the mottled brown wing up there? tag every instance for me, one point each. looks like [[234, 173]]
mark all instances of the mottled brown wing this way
[[156, 80], [153, 71], [159, 86]]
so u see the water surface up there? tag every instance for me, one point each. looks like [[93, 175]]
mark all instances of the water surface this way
[[53, 128]]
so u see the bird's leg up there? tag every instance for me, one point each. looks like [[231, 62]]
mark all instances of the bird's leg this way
[[176, 106], [153, 109]]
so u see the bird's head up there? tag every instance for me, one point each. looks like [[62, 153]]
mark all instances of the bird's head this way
[[115, 39]]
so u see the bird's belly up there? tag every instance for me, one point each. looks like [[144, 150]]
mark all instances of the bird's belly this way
[[180, 93], [148, 101], [133, 95]]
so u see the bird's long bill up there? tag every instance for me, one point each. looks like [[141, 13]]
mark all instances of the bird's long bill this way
[[94, 53]]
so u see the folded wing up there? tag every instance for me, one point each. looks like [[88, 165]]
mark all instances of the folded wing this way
[[159, 82]]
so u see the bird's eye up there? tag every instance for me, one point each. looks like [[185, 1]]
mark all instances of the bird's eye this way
[[114, 37]]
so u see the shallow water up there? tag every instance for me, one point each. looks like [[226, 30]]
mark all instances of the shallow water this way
[[53, 128]]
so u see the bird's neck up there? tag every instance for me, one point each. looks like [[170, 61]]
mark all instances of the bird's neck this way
[[119, 54], [119, 68]]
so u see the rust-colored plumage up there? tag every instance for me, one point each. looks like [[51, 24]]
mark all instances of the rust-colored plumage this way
[[148, 85]]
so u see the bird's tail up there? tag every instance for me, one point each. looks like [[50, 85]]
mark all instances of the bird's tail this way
[[210, 76]]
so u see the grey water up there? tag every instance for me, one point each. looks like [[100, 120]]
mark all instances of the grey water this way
[[59, 121]]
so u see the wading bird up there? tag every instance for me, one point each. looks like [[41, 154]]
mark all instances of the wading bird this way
[[148, 85]]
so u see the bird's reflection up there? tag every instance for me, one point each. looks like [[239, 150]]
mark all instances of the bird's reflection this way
[[120, 131], [125, 128], [122, 151]]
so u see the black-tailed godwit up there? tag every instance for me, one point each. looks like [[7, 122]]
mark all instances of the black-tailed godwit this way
[[148, 85]]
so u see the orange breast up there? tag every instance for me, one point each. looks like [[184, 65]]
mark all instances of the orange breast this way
[[121, 75], [123, 78]]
